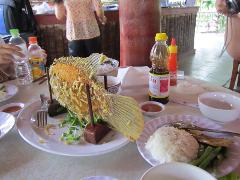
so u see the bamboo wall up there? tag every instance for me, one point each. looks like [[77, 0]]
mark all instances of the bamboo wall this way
[[180, 25], [182, 28]]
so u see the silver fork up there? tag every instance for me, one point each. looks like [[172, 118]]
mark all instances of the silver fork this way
[[42, 113]]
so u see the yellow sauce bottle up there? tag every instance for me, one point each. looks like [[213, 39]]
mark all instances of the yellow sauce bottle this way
[[36, 58], [159, 78]]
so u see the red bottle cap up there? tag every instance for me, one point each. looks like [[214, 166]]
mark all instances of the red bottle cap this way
[[32, 40]]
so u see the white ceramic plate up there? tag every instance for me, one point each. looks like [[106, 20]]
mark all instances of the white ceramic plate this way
[[11, 91], [38, 138], [7, 122], [176, 171], [228, 165]]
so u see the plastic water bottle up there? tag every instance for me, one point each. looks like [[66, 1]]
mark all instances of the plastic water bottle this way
[[36, 58], [23, 69]]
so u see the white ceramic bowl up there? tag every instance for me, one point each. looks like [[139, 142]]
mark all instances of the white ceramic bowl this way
[[15, 113], [113, 83], [99, 178], [215, 113], [176, 171], [151, 113]]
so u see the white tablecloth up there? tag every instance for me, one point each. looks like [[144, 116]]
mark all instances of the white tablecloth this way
[[19, 160]]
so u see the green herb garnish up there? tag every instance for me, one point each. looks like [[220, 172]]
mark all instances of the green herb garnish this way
[[75, 127]]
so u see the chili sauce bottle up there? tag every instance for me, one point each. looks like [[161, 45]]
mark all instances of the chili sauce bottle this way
[[159, 78], [172, 62]]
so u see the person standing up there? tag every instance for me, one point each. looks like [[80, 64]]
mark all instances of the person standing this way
[[232, 33], [82, 29]]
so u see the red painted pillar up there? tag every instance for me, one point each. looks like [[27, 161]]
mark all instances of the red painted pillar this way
[[139, 22]]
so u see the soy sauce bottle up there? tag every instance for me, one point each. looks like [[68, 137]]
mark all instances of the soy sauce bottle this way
[[159, 78]]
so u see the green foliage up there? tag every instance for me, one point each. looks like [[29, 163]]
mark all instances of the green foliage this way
[[208, 4], [210, 21]]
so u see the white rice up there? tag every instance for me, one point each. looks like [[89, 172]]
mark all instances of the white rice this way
[[169, 144]]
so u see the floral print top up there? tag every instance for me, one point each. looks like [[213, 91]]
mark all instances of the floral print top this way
[[81, 22]]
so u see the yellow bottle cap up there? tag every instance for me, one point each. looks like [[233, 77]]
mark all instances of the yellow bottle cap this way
[[172, 49], [161, 37]]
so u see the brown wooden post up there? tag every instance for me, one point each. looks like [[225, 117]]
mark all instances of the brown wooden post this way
[[139, 22]]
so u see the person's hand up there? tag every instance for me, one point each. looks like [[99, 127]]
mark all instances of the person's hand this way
[[7, 52], [221, 7]]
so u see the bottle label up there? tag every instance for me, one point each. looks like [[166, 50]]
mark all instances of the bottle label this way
[[159, 85], [173, 75], [38, 67], [173, 78]]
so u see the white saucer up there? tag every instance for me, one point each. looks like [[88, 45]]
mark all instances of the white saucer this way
[[7, 122]]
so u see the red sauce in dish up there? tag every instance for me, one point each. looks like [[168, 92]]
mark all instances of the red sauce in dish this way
[[151, 108], [12, 109]]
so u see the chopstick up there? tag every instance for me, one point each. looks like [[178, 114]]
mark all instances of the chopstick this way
[[40, 78], [211, 130], [49, 86], [42, 81]]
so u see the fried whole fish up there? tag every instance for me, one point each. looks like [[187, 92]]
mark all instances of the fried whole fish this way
[[213, 141], [68, 77]]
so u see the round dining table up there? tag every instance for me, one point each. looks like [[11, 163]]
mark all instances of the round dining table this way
[[19, 160]]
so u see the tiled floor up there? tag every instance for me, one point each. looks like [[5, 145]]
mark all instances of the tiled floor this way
[[206, 64]]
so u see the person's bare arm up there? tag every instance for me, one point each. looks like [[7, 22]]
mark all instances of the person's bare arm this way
[[232, 36], [7, 51], [60, 11], [99, 11]]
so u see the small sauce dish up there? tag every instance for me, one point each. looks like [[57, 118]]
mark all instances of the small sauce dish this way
[[219, 106], [12, 108], [151, 108]]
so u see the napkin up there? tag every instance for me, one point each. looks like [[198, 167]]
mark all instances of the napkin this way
[[134, 82]]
